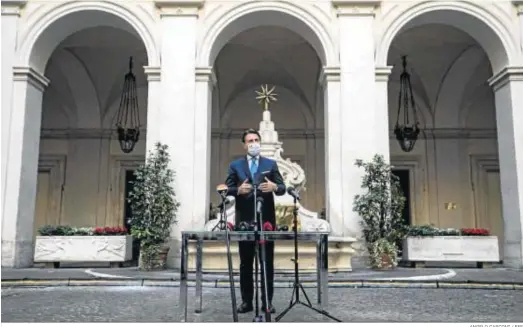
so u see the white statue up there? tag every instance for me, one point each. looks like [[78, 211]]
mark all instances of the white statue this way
[[293, 175]]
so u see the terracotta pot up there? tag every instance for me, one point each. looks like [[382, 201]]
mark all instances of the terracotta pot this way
[[387, 262], [157, 261]]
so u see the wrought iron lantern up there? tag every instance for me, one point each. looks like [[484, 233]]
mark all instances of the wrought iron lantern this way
[[407, 132], [127, 118]]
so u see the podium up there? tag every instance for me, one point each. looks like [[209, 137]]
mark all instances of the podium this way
[[322, 246]]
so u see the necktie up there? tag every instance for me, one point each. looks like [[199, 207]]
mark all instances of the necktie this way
[[254, 167]]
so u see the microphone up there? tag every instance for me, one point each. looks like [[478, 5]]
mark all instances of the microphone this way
[[292, 192], [259, 204], [222, 190]]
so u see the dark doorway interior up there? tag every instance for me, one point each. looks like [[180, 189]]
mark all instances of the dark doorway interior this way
[[129, 179], [404, 177]]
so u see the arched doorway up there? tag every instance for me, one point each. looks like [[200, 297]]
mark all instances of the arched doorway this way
[[260, 43], [468, 143], [64, 167]]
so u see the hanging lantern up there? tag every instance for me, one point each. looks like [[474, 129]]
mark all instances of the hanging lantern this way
[[406, 132], [127, 118]]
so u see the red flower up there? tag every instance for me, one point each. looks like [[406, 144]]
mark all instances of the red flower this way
[[98, 231], [475, 232], [267, 226]]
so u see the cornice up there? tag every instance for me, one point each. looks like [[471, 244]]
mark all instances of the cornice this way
[[31, 76], [356, 7], [431, 133], [179, 7], [12, 7], [383, 73], [506, 75]]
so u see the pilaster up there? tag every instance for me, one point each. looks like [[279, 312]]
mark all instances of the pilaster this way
[[175, 119], [360, 111], [519, 9], [330, 79], [23, 141], [11, 11], [508, 92], [154, 103], [205, 81]]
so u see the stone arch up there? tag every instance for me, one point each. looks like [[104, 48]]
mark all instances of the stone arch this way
[[50, 25], [232, 21], [487, 28]]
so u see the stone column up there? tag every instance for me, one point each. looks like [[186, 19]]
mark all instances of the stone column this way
[[381, 127], [174, 124], [154, 92], [519, 8], [22, 167], [333, 178], [10, 16], [205, 80], [360, 114], [508, 89]]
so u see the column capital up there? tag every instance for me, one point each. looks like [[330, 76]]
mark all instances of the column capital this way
[[205, 74], [506, 75], [31, 76], [153, 73], [356, 7], [12, 7], [383, 73], [329, 74], [179, 7], [519, 6]]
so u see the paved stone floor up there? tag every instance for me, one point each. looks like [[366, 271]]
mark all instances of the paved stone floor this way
[[151, 304]]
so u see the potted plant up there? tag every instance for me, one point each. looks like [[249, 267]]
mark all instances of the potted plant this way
[[154, 208], [380, 209], [429, 243], [56, 244]]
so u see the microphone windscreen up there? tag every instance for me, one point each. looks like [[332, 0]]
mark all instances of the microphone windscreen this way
[[221, 188]]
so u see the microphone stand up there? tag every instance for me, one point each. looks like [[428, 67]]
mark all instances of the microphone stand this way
[[259, 254], [222, 223], [229, 260], [297, 284]]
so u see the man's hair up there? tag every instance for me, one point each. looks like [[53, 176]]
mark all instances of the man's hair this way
[[250, 131]]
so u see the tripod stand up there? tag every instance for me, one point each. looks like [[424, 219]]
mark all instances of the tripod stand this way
[[222, 222], [222, 225], [259, 253], [295, 297]]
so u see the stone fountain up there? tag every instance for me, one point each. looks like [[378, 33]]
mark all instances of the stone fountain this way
[[340, 249]]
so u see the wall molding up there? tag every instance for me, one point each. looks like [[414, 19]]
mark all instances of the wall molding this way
[[431, 133], [55, 165], [116, 186], [416, 185]]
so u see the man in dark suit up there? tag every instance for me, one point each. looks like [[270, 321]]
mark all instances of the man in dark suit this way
[[243, 173]]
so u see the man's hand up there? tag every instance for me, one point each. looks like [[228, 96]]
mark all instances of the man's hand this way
[[268, 186], [245, 187]]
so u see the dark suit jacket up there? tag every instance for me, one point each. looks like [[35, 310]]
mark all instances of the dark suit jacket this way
[[238, 173]]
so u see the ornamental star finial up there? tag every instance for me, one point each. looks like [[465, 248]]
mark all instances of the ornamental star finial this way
[[265, 96]]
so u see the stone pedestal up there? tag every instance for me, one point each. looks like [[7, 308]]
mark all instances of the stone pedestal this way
[[215, 256]]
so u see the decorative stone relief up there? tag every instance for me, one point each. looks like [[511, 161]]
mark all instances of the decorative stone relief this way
[[83, 248]]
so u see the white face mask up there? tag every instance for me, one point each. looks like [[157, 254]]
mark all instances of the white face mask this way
[[253, 149]]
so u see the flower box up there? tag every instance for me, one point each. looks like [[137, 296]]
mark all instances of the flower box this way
[[92, 248], [461, 248]]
